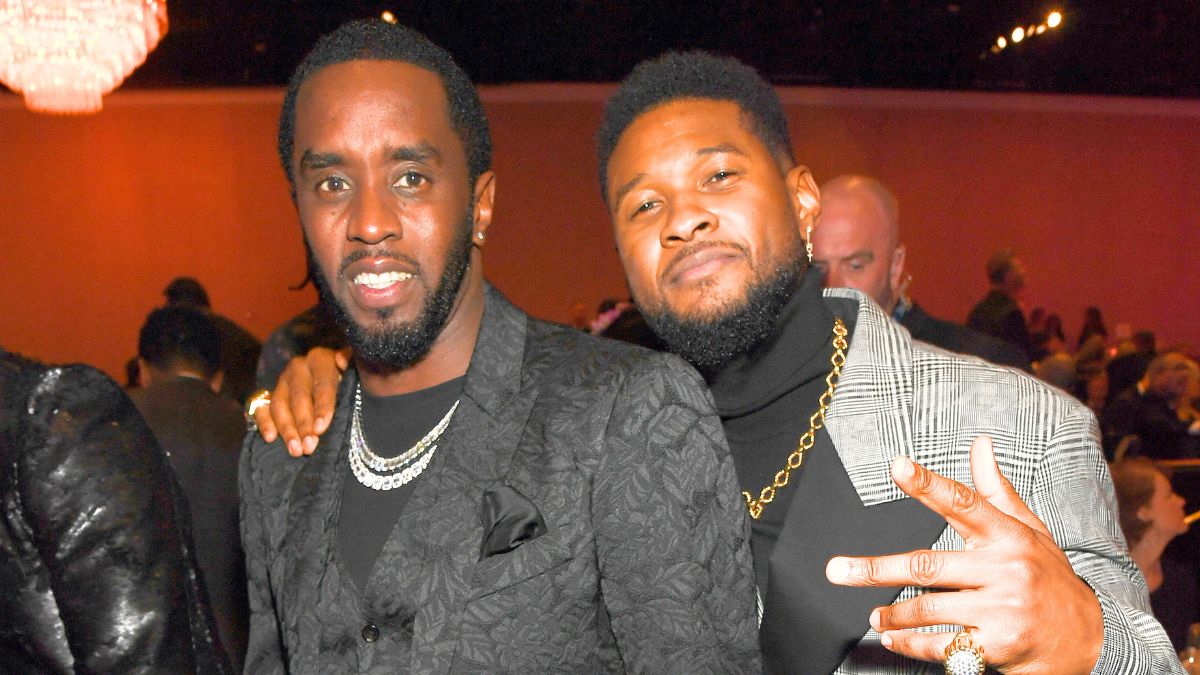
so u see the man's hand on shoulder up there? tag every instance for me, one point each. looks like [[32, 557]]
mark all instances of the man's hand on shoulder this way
[[1011, 585], [303, 400]]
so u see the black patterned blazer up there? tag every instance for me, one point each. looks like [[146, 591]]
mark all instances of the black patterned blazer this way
[[643, 565]]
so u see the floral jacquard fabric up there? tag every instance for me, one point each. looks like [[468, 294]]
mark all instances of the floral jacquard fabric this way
[[643, 566]]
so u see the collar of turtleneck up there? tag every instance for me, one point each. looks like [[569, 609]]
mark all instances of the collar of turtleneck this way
[[797, 352]]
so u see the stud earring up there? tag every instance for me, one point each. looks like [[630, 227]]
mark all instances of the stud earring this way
[[479, 235], [808, 242]]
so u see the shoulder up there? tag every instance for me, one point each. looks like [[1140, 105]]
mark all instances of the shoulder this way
[[564, 357], [77, 397], [266, 470], [1004, 394]]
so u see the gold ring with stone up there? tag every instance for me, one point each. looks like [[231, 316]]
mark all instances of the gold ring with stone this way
[[963, 656], [260, 399]]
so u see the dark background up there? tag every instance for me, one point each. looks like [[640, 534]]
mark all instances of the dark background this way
[[1141, 48]]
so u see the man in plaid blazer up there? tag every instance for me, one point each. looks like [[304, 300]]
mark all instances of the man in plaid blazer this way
[[992, 482]]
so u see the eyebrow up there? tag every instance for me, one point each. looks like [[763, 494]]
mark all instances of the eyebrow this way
[[722, 149], [865, 254], [421, 152], [311, 161]]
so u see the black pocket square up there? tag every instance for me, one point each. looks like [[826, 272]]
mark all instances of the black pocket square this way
[[509, 519]]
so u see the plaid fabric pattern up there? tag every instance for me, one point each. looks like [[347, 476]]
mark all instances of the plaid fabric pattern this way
[[900, 396]]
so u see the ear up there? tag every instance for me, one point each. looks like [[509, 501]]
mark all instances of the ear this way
[[216, 381], [485, 195], [806, 198], [145, 373], [896, 271]]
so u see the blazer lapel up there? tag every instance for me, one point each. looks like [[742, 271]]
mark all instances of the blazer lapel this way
[[308, 541], [846, 504], [870, 419], [435, 547]]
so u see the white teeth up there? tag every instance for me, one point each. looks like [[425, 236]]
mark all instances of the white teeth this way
[[377, 281]]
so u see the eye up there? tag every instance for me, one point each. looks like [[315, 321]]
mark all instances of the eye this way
[[644, 207], [722, 176], [411, 180], [333, 184]]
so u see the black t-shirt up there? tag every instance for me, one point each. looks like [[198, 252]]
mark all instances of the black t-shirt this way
[[391, 425]]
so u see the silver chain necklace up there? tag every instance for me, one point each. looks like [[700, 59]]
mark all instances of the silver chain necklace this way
[[368, 467]]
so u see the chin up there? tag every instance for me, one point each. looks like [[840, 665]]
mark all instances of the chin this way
[[708, 299]]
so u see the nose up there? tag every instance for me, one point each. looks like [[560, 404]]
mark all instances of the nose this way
[[834, 277], [685, 222], [374, 217]]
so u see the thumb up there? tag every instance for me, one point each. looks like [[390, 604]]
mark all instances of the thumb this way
[[991, 484]]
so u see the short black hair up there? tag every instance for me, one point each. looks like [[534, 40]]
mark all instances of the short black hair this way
[[178, 336], [377, 40], [185, 292], [694, 74]]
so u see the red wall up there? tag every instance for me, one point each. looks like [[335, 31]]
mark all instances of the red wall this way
[[97, 213]]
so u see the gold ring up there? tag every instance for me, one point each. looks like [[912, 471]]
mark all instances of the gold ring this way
[[258, 400], [963, 656]]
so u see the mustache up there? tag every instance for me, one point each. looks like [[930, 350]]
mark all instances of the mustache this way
[[695, 248], [377, 253]]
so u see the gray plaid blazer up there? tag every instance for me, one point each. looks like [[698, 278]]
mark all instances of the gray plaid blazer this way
[[897, 395]]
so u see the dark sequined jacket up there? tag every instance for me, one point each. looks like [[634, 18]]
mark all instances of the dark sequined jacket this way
[[96, 567]]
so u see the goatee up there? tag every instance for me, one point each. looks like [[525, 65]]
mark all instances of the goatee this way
[[382, 347], [709, 343]]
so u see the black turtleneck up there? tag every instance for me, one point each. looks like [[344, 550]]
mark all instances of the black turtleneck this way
[[765, 399]]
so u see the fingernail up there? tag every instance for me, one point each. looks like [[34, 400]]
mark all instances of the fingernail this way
[[838, 570], [322, 423], [294, 447], [885, 640], [875, 619], [310, 443], [902, 467]]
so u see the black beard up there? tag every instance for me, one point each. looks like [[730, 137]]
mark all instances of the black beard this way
[[710, 343], [387, 349]]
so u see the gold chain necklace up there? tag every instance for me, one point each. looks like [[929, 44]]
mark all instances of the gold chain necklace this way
[[815, 422]]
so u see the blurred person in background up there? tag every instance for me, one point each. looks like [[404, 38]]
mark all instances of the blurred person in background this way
[[1151, 516], [998, 314], [239, 348], [1093, 324], [1130, 363], [856, 244], [1149, 410], [179, 351]]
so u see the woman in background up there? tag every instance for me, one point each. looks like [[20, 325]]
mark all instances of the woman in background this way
[[1151, 516]]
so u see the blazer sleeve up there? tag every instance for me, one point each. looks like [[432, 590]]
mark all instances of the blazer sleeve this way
[[264, 649], [671, 530], [1071, 481], [108, 523]]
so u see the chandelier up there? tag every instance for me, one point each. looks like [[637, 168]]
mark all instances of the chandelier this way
[[64, 55]]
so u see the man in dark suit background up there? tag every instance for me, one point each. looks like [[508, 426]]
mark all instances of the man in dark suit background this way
[[998, 313], [202, 432], [856, 244]]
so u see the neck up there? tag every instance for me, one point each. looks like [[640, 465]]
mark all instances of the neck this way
[[449, 356], [1147, 555]]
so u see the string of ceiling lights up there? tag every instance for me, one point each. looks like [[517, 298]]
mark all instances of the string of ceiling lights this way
[[1020, 33]]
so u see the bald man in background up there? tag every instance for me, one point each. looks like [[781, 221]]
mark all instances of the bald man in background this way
[[856, 244]]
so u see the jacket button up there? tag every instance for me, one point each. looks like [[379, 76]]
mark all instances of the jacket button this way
[[370, 632]]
